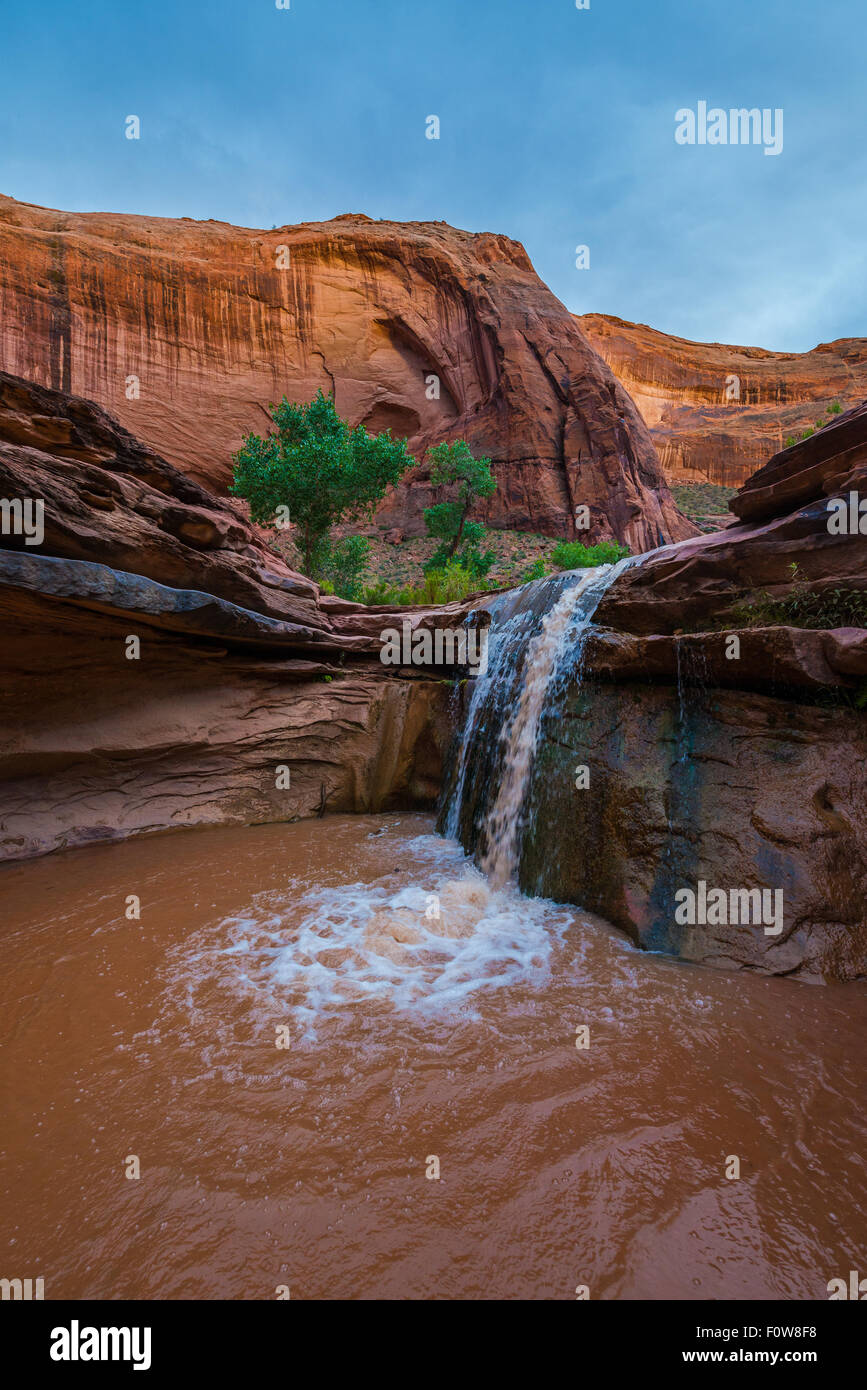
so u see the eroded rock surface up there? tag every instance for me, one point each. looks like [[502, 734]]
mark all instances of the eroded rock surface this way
[[746, 773], [97, 747], [701, 433], [743, 768], [736, 790], [187, 330], [783, 522], [239, 670]]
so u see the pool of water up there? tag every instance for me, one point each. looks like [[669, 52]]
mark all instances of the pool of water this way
[[427, 1126]]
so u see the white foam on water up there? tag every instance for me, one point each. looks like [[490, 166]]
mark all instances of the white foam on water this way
[[436, 931], [425, 938]]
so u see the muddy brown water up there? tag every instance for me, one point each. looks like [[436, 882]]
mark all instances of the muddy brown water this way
[[426, 1016]]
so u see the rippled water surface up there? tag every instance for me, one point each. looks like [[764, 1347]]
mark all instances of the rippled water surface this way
[[423, 1014]]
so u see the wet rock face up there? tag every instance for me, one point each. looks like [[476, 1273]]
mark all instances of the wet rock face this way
[[186, 331], [799, 662], [743, 773], [667, 760], [741, 792], [701, 433]]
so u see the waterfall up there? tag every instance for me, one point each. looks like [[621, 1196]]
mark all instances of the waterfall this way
[[535, 643]]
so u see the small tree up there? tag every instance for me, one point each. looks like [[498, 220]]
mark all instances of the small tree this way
[[448, 521], [320, 469], [343, 565]]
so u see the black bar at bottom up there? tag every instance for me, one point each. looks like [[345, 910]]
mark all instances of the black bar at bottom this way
[[242, 1338]]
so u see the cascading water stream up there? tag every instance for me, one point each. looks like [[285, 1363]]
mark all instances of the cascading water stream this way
[[534, 645], [505, 819]]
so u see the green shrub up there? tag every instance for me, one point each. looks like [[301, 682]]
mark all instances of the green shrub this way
[[804, 606], [573, 555], [385, 594], [341, 565], [825, 609], [537, 570], [449, 584], [454, 581]]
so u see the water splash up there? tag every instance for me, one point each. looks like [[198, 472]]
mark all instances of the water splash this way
[[432, 937]]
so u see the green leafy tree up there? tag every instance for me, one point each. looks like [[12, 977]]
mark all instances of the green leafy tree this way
[[453, 465], [319, 469], [342, 564]]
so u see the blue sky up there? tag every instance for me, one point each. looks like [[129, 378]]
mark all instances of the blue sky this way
[[557, 128]]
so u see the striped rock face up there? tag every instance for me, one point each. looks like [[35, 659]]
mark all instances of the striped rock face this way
[[186, 331], [717, 412]]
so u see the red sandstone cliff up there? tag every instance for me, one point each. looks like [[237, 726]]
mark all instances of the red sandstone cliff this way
[[680, 388], [244, 669], [214, 322], [783, 519]]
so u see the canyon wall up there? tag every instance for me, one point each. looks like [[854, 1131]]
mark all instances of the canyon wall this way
[[186, 331], [162, 668], [782, 521], [701, 435]]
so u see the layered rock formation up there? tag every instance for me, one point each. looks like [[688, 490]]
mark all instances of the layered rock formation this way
[[163, 668], [784, 521], [187, 330], [236, 669], [741, 766], [701, 433]]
